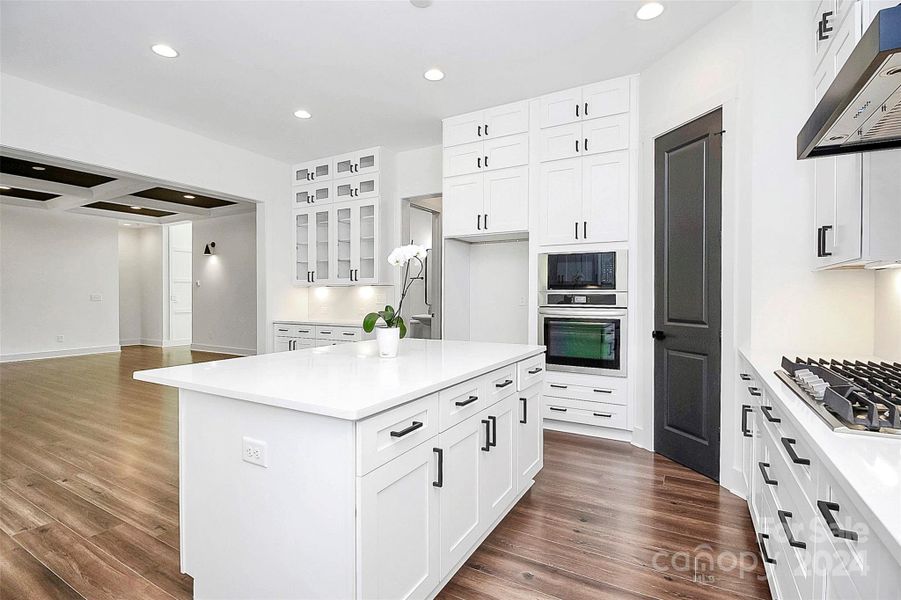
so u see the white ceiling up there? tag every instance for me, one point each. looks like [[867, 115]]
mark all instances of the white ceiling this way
[[356, 66]]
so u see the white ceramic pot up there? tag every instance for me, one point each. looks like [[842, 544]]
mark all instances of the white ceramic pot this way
[[388, 339]]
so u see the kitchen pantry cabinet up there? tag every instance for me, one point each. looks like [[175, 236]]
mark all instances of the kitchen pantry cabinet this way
[[583, 200], [496, 122], [856, 213], [491, 202], [424, 507], [588, 102]]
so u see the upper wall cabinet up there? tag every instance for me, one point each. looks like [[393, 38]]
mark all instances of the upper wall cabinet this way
[[856, 212], [341, 225], [500, 121], [603, 134], [588, 102], [499, 153]]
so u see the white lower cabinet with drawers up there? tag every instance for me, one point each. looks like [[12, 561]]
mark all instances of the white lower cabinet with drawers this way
[[436, 475], [572, 401], [814, 540], [298, 336]]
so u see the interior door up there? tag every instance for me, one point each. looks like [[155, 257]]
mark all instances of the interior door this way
[[605, 197], [687, 274], [463, 202], [180, 283], [398, 528], [506, 201], [459, 492], [497, 471], [560, 201]]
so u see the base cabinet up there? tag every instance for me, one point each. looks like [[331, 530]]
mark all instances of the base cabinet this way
[[460, 491], [398, 526], [530, 442], [498, 483]]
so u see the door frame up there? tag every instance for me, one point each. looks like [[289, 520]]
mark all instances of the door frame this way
[[735, 275]]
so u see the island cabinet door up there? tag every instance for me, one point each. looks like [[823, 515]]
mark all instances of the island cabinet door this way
[[497, 471], [398, 527], [529, 443], [458, 494]]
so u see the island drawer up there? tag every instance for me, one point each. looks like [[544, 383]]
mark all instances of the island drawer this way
[[610, 391], [461, 401], [529, 372], [590, 413], [499, 384], [389, 434]]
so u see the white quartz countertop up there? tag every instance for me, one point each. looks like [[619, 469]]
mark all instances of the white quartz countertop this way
[[348, 381], [870, 466], [332, 322]]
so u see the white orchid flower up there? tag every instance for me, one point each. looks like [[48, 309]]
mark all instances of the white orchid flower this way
[[404, 254]]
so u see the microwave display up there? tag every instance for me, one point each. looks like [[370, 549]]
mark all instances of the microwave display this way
[[584, 271]]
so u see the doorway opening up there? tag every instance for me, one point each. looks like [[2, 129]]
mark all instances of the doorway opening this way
[[421, 225], [688, 292]]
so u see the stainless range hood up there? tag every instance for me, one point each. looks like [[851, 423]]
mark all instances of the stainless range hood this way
[[861, 110]]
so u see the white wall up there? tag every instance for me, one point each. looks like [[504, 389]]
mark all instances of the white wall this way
[[498, 285], [888, 315], [44, 120], [129, 286], [754, 61], [225, 309], [418, 172], [349, 304], [50, 265]]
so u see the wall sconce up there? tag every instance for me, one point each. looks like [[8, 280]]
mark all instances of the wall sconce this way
[[210, 249]]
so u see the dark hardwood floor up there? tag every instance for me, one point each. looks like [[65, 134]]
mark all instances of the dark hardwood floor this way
[[89, 503]]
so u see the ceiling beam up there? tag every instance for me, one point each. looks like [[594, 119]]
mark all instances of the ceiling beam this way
[[235, 209], [109, 214], [118, 188], [161, 205]]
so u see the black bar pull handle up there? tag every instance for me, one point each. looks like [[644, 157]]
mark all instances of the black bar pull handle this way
[[745, 409], [767, 412], [766, 476], [585, 144], [557, 409], [755, 391], [440, 453], [466, 402], [348, 333], [607, 415], [761, 541], [585, 112], [535, 370], [577, 229], [486, 131], [480, 131], [585, 226], [577, 110], [486, 214], [479, 222], [826, 509], [744, 376], [487, 446], [558, 386], [493, 441], [486, 162], [577, 146], [504, 383], [784, 516], [789, 444], [416, 425], [479, 162], [601, 391], [525, 410]]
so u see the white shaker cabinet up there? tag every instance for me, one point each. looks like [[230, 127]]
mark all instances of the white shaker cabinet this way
[[603, 134], [588, 102], [462, 448], [560, 201], [499, 153], [500, 121], [498, 480], [398, 526], [530, 444], [490, 202]]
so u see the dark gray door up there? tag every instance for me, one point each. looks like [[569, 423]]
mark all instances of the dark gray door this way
[[688, 207]]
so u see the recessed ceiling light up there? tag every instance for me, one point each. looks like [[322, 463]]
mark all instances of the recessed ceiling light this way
[[164, 50], [434, 74], [37, 168], [649, 10], [302, 114], [188, 197], [135, 207], [421, 3]]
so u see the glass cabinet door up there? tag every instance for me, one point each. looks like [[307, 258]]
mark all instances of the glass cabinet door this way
[[367, 162], [366, 242], [322, 252], [343, 237], [302, 247]]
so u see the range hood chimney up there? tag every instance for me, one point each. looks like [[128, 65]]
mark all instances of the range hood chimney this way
[[861, 110]]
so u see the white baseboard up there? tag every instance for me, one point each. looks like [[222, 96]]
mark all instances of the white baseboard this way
[[134, 342], [142, 342], [606, 433], [224, 350], [20, 356]]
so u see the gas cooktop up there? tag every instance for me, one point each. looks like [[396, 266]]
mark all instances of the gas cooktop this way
[[850, 396]]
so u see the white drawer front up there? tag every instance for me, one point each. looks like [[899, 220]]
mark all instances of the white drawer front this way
[[387, 435], [499, 384], [589, 413], [291, 330], [529, 372], [458, 402], [327, 332], [611, 392], [347, 334]]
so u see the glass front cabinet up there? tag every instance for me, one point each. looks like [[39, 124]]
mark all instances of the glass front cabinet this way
[[338, 244]]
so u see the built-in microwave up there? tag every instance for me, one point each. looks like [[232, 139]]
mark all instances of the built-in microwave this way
[[582, 312]]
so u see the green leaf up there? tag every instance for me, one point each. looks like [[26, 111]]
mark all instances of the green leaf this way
[[389, 314], [369, 322], [403, 326]]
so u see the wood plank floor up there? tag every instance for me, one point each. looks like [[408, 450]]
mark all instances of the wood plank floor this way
[[89, 503]]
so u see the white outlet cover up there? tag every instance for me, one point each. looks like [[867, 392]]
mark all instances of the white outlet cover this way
[[254, 451], [96, 297]]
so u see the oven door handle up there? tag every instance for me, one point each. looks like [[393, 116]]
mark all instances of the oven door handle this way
[[595, 313]]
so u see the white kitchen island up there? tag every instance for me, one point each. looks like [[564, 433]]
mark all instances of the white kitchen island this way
[[333, 473]]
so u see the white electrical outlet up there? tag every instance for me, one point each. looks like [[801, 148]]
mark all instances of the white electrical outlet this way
[[60, 338], [254, 451], [96, 298]]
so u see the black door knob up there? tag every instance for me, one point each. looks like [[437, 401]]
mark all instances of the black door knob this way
[[658, 335]]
